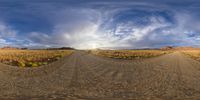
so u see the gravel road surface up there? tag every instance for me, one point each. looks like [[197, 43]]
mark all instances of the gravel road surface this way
[[87, 77]]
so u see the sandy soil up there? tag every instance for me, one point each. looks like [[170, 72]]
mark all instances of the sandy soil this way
[[84, 76]]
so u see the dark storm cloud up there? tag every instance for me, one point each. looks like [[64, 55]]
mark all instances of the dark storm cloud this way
[[99, 23]]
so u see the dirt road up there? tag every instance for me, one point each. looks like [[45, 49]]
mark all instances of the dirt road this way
[[83, 76]]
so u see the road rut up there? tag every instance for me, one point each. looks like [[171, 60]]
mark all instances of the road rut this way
[[84, 76]]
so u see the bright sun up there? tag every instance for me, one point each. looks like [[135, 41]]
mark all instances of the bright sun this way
[[93, 46]]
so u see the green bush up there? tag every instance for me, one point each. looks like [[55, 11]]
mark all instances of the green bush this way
[[44, 63], [21, 64], [34, 65]]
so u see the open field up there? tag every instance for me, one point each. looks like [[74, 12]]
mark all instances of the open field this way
[[31, 58], [173, 76], [130, 54], [195, 54]]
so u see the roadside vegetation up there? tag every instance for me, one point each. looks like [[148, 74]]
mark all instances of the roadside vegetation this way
[[31, 58], [129, 54], [195, 54]]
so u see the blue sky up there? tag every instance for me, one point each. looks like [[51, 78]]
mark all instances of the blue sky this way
[[88, 24]]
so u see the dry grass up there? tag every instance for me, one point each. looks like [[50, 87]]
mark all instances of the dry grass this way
[[195, 54], [129, 54], [31, 58]]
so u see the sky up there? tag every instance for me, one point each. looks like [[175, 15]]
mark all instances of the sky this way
[[89, 24]]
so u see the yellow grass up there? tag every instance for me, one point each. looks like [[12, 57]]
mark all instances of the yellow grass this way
[[129, 54], [195, 54], [31, 58]]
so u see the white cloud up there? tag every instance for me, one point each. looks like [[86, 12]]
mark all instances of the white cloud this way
[[6, 31], [89, 33], [93, 28]]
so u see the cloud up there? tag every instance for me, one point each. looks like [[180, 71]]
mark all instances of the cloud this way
[[92, 24], [6, 31], [84, 32]]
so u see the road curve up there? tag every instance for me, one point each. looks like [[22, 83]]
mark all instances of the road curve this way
[[84, 76]]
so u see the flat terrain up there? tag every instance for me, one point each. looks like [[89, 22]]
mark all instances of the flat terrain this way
[[81, 75]]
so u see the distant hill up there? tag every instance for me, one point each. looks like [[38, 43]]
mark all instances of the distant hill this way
[[186, 48], [62, 48], [179, 48], [167, 48], [9, 48], [15, 48]]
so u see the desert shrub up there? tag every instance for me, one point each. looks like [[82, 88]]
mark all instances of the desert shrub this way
[[34, 65], [21, 64]]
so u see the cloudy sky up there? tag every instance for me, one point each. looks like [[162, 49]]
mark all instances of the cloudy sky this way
[[86, 24]]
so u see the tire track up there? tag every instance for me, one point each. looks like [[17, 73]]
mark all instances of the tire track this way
[[84, 76]]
